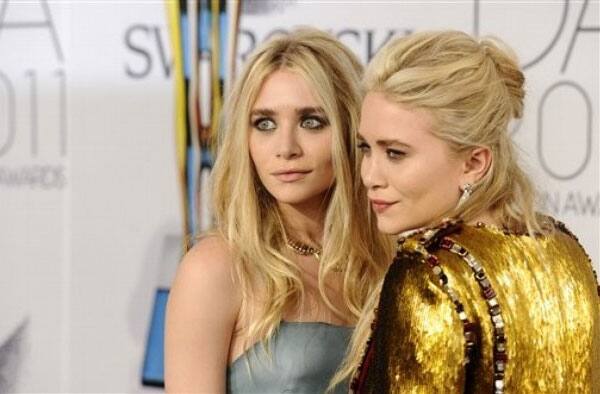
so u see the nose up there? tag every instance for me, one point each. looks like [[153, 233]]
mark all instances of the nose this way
[[371, 174], [288, 146]]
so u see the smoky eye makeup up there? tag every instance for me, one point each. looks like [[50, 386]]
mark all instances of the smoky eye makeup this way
[[263, 123], [263, 119], [312, 118], [313, 122]]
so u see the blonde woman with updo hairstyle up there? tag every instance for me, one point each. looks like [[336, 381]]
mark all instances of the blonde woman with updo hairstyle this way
[[267, 302], [484, 294]]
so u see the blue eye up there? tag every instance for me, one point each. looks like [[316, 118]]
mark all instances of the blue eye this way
[[264, 124], [313, 123]]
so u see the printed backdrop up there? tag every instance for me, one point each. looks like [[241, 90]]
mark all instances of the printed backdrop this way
[[90, 213]]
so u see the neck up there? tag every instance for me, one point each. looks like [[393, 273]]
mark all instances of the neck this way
[[304, 221], [486, 217]]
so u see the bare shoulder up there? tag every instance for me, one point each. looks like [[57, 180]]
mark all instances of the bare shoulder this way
[[210, 257], [208, 251], [206, 270], [202, 310]]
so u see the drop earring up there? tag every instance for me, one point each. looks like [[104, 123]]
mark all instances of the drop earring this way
[[467, 190]]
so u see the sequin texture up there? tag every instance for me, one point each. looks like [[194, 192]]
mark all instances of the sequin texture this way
[[532, 306]]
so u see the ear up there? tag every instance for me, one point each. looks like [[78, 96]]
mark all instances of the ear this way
[[477, 163]]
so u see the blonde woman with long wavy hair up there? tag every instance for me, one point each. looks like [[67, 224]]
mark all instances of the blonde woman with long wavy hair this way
[[266, 303], [496, 299]]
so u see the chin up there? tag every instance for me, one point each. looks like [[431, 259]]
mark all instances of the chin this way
[[292, 198], [392, 226], [387, 226]]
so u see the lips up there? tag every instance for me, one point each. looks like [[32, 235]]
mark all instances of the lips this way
[[288, 176], [380, 206]]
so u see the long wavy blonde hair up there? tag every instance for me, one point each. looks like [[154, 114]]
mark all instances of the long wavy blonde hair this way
[[472, 88], [248, 218]]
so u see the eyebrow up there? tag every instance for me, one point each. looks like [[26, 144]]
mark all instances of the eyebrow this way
[[300, 111], [262, 112], [385, 143], [310, 110]]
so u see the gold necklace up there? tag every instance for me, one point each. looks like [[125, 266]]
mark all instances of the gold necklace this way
[[304, 249]]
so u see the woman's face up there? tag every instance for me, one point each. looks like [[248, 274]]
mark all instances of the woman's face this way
[[412, 177], [290, 140]]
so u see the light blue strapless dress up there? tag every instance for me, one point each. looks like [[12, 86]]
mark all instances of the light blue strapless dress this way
[[304, 357]]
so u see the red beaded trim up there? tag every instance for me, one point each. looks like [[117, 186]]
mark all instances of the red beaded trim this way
[[468, 326], [427, 239], [500, 355]]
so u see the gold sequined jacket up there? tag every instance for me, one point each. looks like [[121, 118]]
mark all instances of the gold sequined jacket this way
[[475, 309]]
